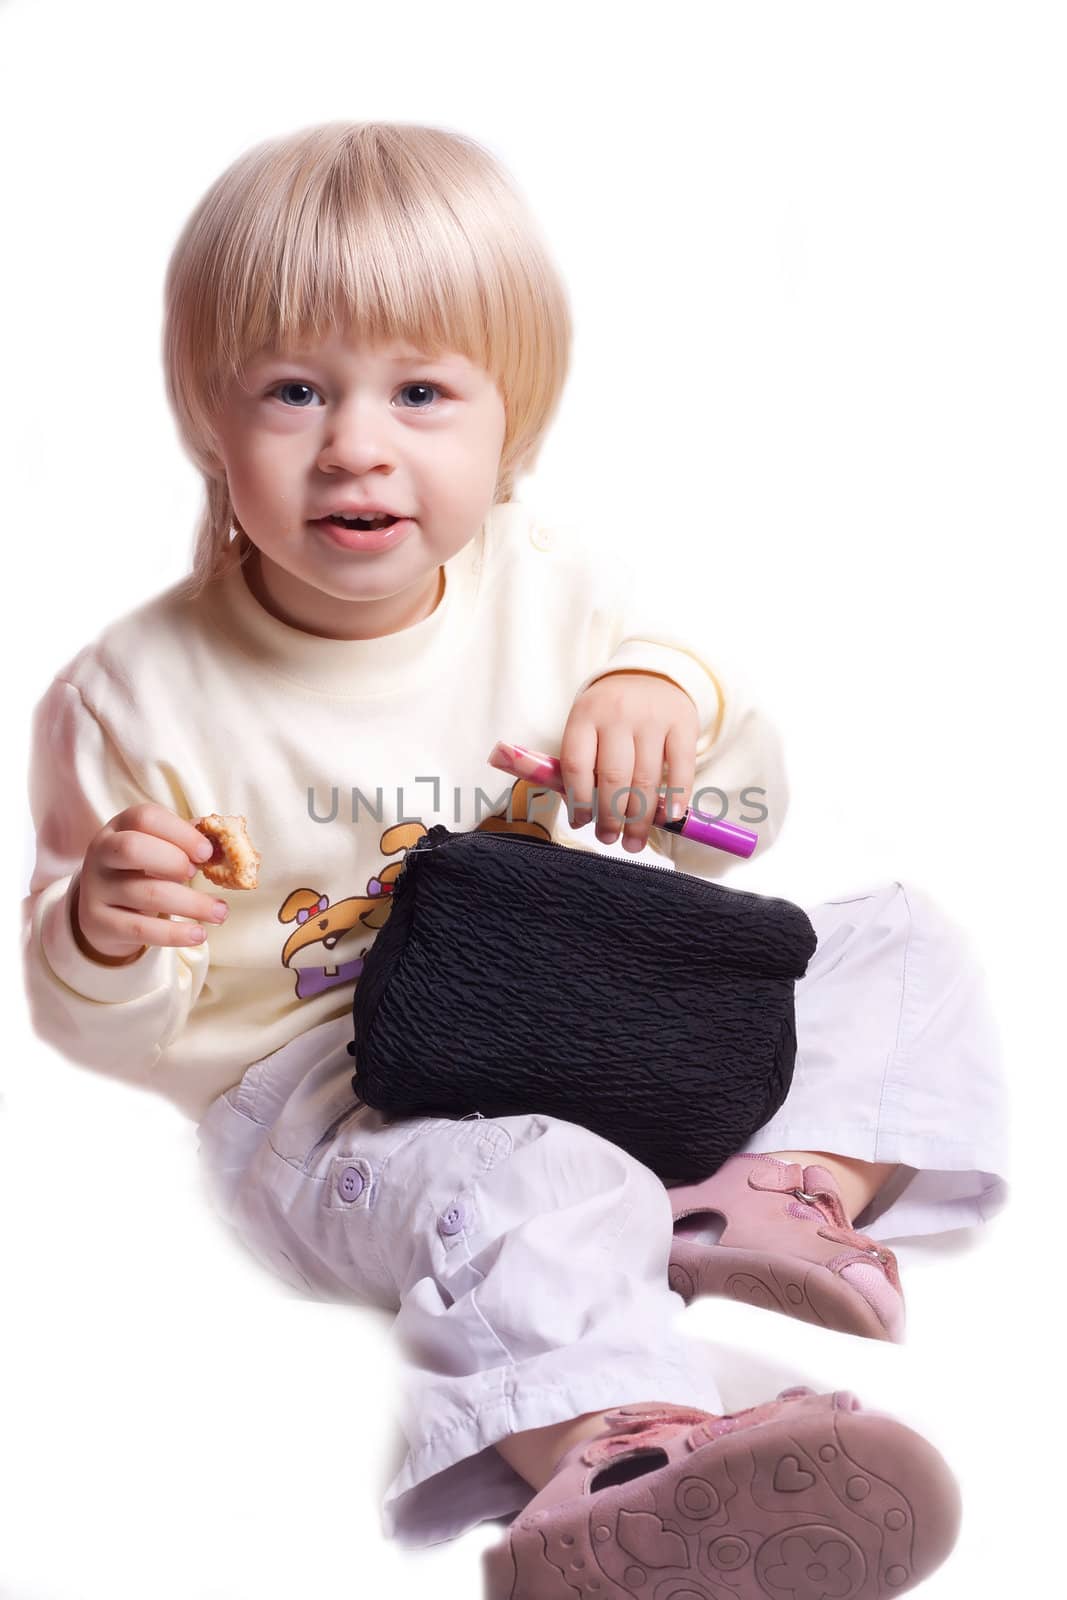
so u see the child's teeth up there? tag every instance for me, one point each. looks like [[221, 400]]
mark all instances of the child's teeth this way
[[363, 522]]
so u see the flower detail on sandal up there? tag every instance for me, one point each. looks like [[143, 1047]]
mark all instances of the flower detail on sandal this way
[[786, 1244]]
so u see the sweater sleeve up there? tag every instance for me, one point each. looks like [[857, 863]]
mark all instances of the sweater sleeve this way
[[118, 1019], [662, 627]]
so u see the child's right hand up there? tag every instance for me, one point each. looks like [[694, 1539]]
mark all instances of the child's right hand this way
[[131, 878]]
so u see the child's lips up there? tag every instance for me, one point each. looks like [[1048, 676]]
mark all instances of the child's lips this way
[[368, 539]]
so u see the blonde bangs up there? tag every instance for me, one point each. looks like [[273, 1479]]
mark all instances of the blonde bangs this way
[[381, 230]]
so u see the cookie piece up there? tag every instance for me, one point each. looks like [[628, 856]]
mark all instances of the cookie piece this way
[[236, 862]]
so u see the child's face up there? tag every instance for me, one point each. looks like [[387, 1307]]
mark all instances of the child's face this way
[[335, 425]]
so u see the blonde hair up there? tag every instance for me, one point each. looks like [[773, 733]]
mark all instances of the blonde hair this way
[[389, 230]]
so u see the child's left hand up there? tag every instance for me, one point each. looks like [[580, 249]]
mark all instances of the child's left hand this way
[[621, 732]]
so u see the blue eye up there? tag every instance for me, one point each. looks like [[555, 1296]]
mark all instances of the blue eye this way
[[432, 386], [295, 383]]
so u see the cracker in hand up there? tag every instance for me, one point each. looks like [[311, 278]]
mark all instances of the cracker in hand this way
[[236, 861]]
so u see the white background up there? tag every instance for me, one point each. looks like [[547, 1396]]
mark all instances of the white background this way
[[816, 256]]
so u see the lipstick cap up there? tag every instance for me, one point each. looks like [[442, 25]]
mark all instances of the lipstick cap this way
[[723, 835]]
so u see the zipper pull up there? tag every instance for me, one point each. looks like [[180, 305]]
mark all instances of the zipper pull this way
[[426, 845], [432, 839]]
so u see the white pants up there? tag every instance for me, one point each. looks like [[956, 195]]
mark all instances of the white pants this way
[[526, 1258]]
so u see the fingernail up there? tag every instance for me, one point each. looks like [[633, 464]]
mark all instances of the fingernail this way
[[197, 935], [205, 851], [220, 910]]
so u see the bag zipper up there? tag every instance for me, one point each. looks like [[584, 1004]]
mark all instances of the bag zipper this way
[[516, 841]]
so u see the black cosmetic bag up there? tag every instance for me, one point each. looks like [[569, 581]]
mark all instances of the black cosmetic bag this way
[[514, 975]]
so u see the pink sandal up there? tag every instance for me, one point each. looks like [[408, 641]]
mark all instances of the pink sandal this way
[[807, 1497], [787, 1245]]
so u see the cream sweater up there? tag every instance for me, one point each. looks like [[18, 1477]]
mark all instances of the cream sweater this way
[[337, 752]]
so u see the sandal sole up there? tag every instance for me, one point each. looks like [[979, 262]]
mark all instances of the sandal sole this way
[[838, 1505], [796, 1288]]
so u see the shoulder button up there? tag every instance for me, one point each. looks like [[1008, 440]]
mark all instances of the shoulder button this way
[[541, 538]]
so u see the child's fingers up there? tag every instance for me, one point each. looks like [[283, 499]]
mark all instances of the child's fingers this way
[[130, 850], [614, 775], [154, 897], [644, 789], [681, 764], [577, 762], [155, 821], [119, 930]]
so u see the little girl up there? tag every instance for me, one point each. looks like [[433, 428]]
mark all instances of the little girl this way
[[365, 343]]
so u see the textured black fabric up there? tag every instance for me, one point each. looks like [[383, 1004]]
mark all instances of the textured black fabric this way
[[514, 974]]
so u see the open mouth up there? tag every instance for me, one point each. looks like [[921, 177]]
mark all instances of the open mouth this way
[[365, 523]]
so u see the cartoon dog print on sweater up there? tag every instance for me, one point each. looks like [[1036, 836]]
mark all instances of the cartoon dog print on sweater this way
[[347, 922]]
